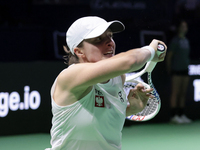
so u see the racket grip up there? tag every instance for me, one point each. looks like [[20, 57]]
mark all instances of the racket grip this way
[[160, 49]]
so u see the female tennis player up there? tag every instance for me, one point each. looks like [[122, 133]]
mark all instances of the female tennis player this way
[[88, 101]]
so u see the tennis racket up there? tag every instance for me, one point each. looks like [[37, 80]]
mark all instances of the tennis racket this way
[[153, 104]]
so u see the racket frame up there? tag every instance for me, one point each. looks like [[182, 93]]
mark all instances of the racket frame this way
[[148, 68]]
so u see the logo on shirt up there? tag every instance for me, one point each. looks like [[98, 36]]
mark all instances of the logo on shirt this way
[[120, 96], [99, 99]]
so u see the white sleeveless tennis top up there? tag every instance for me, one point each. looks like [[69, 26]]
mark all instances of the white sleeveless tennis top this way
[[94, 122]]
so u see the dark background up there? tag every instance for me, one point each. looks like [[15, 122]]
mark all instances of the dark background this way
[[32, 33]]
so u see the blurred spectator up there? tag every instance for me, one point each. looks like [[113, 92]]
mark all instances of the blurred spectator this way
[[177, 65]]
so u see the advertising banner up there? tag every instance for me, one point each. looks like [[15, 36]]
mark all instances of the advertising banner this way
[[25, 104]]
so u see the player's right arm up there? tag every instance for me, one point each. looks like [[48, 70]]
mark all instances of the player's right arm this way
[[84, 75], [80, 77]]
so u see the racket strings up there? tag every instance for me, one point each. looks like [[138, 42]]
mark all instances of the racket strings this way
[[127, 86], [152, 103], [150, 107]]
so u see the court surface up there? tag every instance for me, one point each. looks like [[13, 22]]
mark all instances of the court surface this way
[[137, 137]]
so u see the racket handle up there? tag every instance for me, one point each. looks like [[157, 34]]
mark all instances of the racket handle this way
[[151, 64], [160, 49]]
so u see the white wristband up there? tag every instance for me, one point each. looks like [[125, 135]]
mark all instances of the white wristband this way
[[151, 49]]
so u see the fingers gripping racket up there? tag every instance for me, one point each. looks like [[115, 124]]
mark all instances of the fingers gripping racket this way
[[153, 104]]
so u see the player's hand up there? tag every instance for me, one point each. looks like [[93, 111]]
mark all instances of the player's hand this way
[[161, 57], [138, 98]]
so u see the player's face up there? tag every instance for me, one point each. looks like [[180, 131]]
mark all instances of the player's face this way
[[99, 48]]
